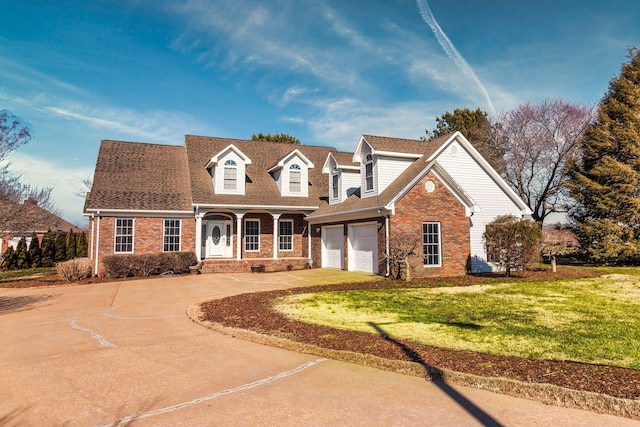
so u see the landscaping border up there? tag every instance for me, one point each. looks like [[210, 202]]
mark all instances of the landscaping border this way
[[545, 393]]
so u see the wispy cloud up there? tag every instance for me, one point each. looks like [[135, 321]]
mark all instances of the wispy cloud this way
[[450, 49]]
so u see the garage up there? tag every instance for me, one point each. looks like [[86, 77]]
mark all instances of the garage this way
[[332, 247], [363, 247]]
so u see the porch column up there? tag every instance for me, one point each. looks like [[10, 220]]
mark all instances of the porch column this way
[[239, 216], [276, 217], [199, 236]]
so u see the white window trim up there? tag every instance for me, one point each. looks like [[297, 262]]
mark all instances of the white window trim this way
[[292, 170], [133, 235], [439, 264], [245, 234], [164, 230], [335, 190], [373, 180], [231, 166], [280, 235]]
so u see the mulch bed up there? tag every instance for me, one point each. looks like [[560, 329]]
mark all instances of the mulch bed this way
[[253, 312]]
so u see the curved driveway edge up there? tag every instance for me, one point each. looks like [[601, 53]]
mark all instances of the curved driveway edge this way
[[548, 394]]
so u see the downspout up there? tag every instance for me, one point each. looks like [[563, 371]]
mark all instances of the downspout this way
[[310, 258], [386, 239], [93, 226], [97, 243]]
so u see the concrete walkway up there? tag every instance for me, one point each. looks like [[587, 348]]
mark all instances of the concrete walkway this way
[[126, 353]]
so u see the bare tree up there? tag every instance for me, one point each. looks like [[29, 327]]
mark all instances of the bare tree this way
[[17, 198], [83, 183], [540, 139], [401, 247], [557, 240]]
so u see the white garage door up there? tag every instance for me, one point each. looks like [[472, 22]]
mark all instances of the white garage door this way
[[332, 247], [364, 248]]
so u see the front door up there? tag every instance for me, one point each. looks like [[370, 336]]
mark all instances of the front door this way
[[218, 239]]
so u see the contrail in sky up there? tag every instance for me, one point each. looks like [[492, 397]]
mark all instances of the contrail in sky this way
[[450, 49]]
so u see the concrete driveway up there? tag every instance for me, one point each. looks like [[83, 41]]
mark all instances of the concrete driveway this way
[[126, 353]]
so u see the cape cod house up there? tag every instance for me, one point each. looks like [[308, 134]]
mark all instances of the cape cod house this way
[[239, 203]]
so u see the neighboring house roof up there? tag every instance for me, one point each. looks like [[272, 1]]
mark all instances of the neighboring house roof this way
[[140, 176], [28, 217], [261, 188]]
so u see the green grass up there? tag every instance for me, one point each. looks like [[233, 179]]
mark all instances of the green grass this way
[[588, 320], [8, 276]]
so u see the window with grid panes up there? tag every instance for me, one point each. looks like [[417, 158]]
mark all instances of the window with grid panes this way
[[431, 243], [252, 235], [171, 241], [124, 235]]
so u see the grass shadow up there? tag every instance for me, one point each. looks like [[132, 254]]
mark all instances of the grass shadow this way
[[22, 303], [436, 375]]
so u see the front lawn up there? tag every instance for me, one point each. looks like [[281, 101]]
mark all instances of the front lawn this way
[[592, 320]]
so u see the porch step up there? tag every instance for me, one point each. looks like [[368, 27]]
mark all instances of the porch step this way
[[244, 266]]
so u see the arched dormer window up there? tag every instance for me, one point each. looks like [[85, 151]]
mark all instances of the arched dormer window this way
[[368, 172], [295, 178], [335, 179], [230, 175]]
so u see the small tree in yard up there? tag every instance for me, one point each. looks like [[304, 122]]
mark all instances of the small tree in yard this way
[[70, 246], [35, 253], [22, 255], [60, 251], [512, 243], [556, 241], [401, 247], [81, 245], [48, 250], [9, 259]]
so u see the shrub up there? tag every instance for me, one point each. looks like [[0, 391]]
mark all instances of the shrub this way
[[22, 255], [75, 269], [60, 250], [35, 253], [9, 259], [81, 245], [70, 246], [143, 265], [48, 250]]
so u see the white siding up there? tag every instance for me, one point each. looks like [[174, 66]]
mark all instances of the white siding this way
[[484, 191], [388, 169], [282, 177], [349, 181], [218, 174]]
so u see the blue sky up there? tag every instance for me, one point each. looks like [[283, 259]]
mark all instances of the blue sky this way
[[326, 71]]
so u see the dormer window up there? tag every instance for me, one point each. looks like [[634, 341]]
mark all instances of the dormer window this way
[[335, 192], [295, 178], [368, 172], [230, 175]]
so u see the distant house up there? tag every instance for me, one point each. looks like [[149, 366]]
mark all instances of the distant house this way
[[23, 219], [239, 203]]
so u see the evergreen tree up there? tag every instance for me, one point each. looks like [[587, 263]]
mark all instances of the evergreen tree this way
[[81, 245], [276, 137], [60, 251], [606, 181], [48, 250], [70, 246], [476, 126], [22, 255], [35, 253], [9, 259]]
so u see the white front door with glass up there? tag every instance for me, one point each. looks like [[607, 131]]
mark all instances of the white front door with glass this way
[[217, 239]]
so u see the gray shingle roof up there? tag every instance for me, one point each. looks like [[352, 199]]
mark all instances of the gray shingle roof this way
[[140, 176], [261, 188]]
